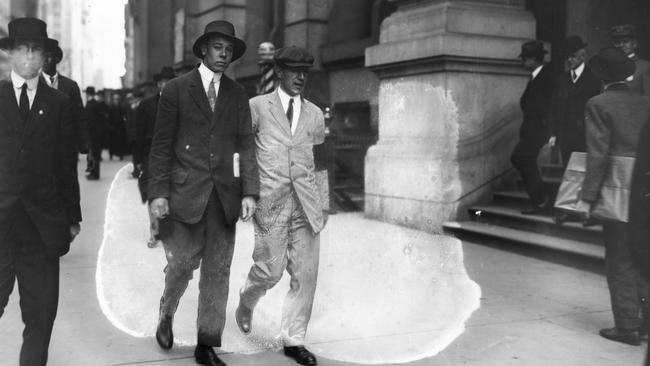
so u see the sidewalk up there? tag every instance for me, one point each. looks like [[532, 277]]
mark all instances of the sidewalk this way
[[386, 294]]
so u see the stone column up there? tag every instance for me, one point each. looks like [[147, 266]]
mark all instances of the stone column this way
[[450, 84]]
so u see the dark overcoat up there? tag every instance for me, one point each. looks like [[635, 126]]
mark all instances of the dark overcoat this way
[[535, 105], [145, 119], [35, 168], [640, 205], [193, 147]]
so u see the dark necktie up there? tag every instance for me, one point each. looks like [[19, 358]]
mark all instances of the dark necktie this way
[[24, 102], [290, 112]]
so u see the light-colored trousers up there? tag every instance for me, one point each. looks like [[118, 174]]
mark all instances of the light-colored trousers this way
[[289, 243]]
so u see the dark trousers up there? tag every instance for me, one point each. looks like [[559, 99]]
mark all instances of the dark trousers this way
[[96, 153], [627, 288], [210, 243], [23, 257], [524, 159]]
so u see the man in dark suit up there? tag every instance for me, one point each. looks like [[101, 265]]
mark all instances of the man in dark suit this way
[[573, 88], [614, 120], [533, 133], [70, 88], [202, 175], [624, 38], [37, 202], [96, 115], [145, 119]]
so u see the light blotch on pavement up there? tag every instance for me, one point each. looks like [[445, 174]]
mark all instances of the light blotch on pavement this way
[[386, 294]]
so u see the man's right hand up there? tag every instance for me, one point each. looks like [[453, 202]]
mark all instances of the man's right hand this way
[[551, 141], [160, 207]]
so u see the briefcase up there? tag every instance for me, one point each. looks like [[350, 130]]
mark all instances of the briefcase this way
[[613, 201]]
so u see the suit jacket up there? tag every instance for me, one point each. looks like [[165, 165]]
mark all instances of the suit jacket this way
[[569, 107], [640, 205], [614, 121], [192, 148], [535, 105], [286, 161], [97, 118], [641, 80], [35, 168]]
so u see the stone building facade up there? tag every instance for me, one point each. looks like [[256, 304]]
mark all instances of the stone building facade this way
[[435, 83]]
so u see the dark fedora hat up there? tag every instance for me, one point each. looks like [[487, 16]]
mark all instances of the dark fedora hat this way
[[165, 73], [293, 57], [532, 49], [623, 31], [90, 90], [611, 64], [572, 44], [27, 29], [224, 29]]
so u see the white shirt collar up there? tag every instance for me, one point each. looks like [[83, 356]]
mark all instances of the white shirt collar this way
[[18, 81], [631, 55], [47, 78], [207, 76], [537, 71], [578, 70]]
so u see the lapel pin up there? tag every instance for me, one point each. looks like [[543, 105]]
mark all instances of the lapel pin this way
[[40, 111]]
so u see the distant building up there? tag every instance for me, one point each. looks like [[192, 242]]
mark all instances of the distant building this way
[[435, 83]]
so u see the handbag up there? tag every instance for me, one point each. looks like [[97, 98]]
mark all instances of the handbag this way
[[613, 201]]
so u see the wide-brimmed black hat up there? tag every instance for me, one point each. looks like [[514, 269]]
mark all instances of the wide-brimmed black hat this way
[[165, 73], [293, 57], [572, 44], [27, 29], [532, 49], [623, 31], [224, 29], [611, 64]]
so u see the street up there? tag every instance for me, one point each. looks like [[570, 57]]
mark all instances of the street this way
[[386, 295]]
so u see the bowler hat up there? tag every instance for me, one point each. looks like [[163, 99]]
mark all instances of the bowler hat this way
[[611, 64], [90, 90], [293, 57], [27, 29], [572, 44], [623, 31], [532, 49], [224, 29], [165, 73]]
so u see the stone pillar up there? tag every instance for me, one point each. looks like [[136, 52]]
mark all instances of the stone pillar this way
[[450, 84]]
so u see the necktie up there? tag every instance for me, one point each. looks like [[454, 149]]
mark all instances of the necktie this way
[[24, 102], [53, 82], [212, 95], [290, 112]]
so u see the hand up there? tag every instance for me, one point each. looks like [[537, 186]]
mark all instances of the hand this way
[[159, 207], [551, 141], [247, 208], [584, 208], [74, 231]]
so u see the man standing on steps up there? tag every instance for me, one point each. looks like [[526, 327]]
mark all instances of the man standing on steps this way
[[293, 201], [37, 202], [202, 175], [533, 133]]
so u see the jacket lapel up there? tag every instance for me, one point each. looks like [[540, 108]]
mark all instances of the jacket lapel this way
[[37, 107], [9, 104], [223, 97], [198, 94], [304, 117], [275, 107]]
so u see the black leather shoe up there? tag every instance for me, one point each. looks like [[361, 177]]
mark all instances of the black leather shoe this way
[[621, 335], [301, 355], [164, 334], [204, 355], [243, 316], [563, 217]]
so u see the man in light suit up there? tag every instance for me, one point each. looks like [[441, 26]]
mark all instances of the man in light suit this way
[[292, 209], [37, 200], [624, 38], [202, 175], [614, 121]]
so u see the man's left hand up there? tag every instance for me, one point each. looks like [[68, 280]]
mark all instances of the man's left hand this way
[[247, 208], [74, 231]]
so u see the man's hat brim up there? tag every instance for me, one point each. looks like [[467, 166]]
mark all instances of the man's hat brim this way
[[239, 46], [7, 43]]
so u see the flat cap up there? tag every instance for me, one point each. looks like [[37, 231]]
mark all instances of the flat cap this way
[[623, 31], [293, 57]]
